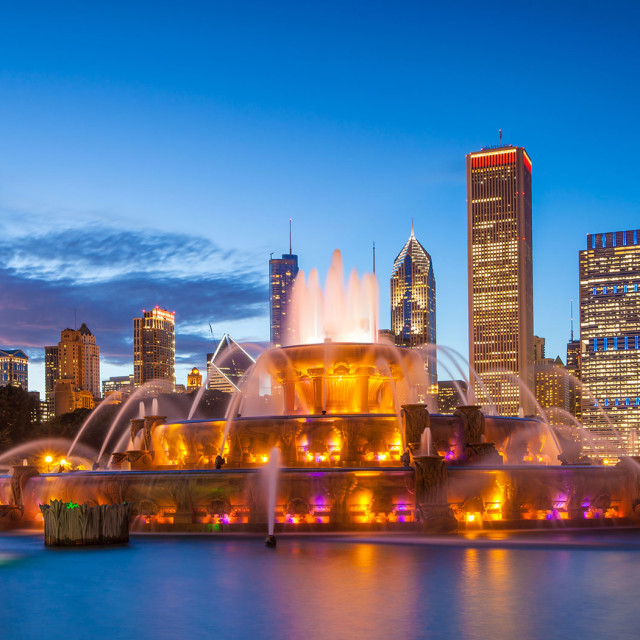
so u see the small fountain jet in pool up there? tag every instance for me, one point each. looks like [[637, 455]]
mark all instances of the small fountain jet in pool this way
[[272, 471]]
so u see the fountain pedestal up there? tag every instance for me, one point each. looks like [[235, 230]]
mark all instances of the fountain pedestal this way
[[471, 437], [415, 419], [139, 460], [472, 419], [431, 495], [19, 478], [150, 422], [11, 514]]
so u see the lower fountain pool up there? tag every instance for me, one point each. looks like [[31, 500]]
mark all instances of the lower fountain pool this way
[[497, 585]]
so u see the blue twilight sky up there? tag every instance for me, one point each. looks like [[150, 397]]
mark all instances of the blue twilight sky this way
[[152, 153]]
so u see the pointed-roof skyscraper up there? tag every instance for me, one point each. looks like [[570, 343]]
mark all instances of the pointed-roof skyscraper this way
[[413, 299], [227, 365]]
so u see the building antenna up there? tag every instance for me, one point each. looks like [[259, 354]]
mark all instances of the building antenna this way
[[290, 251], [412, 227], [571, 320], [75, 319], [374, 256], [500, 130]]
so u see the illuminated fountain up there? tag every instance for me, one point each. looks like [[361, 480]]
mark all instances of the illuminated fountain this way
[[358, 446]]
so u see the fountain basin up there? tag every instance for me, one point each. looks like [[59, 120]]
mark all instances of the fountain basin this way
[[348, 499]]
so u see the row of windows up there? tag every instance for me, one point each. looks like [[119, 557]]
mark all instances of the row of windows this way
[[616, 343], [617, 402], [6, 377], [615, 289], [16, 366]]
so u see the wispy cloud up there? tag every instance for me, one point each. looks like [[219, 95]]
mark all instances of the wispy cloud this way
[[108, 275]]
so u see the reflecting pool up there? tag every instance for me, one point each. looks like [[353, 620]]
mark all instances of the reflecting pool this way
[[554, 585]]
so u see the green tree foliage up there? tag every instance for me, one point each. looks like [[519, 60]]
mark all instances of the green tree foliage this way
[[65, 425], [17, 412]]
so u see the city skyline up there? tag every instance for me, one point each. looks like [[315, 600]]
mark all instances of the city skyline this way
[[126, 181]]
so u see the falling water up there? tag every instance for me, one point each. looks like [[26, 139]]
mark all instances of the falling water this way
[[425, 442], [134, 397], [86, 424], [272, 468], [231, 414]]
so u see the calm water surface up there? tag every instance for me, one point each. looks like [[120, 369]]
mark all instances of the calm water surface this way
[[570, 586]]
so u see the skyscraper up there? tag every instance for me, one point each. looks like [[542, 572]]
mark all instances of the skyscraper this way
[[574, 367], [282, 274], [413, 301], [501, 275], [51, 374], [72, 371], [154, 346], [91, 364], [609, 333], [14, 368], [451, 394]]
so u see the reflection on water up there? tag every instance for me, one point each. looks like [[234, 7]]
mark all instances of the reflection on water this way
[[312, 588]]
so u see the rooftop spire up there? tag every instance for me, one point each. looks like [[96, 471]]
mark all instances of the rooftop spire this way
[[572, 321], [290, 251], [412, 228]]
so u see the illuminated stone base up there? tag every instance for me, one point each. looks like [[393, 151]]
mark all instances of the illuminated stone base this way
[[376, 499]]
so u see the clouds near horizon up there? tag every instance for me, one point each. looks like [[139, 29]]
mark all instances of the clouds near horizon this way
[[105, 276]]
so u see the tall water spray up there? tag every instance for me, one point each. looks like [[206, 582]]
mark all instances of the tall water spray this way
[[272, 469], [341, 313]]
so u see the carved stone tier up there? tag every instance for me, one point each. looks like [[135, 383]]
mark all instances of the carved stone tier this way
[[430, 480], [117, 459], [432, 506], [472, 418], [139, 459], [415, 419]]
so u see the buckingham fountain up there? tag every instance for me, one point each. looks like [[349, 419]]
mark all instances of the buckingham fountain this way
[[359, 448]]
